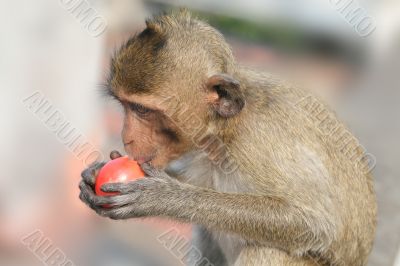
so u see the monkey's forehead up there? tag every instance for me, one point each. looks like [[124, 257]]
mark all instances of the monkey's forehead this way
[[139, 64], [138, 71]]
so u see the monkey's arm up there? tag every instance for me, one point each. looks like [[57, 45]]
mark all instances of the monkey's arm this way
[[268, 220]]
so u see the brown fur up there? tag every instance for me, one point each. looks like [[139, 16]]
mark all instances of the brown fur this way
[[294, 199]]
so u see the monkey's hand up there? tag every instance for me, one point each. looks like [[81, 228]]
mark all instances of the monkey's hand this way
[[144, 197], [89, 176]]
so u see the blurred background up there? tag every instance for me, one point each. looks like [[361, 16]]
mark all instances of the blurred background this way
[[54, 56]]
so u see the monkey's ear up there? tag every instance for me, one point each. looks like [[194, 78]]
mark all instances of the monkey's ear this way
[[225, 95]]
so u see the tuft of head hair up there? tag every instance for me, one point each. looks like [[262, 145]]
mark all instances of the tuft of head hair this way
[[176, 19]]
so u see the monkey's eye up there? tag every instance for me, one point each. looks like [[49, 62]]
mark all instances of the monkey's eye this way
[[139, 109]]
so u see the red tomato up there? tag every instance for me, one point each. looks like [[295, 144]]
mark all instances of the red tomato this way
[[120, 170]]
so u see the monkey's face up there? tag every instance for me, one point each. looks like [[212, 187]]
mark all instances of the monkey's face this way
[[150, 133], [161, 128], [166, 121]]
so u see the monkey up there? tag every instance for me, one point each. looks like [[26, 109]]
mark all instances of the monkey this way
[[228, 150]]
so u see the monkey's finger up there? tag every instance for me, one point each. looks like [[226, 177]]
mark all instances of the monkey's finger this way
[[83, 199], [151, 171], [122, 200], [88, 195], [117, 213], [108, 201], [83, 195], [83, 186], [89, 174], [115, 154], [123, 188]]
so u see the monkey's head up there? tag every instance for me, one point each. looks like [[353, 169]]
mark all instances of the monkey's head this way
[[175, 81]]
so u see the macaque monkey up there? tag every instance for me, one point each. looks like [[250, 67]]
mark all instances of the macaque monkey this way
[[232, 152]]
